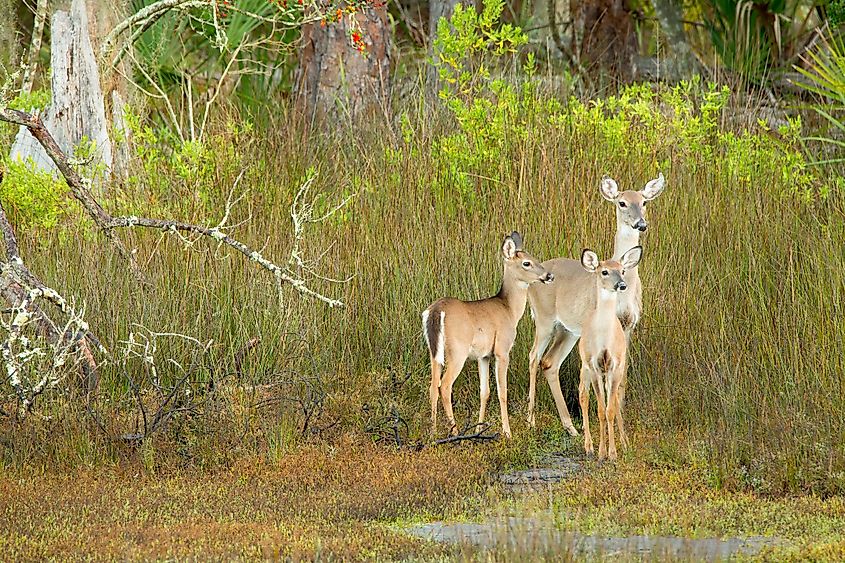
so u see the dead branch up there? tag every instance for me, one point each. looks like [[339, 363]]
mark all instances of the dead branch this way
[[144, 18], [20, 288], [215, 233], [80, 189], [464, 436], [184, 396]]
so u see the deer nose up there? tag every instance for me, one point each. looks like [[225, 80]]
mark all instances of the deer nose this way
[[641, 225], [621, 286], [549, 278]]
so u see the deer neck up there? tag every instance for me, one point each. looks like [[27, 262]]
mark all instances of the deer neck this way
[[606, 301], [514, 295], [626, 239]]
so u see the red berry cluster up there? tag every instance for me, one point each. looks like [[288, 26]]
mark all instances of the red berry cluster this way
[[223, 7], [358, 42], [336, 13]]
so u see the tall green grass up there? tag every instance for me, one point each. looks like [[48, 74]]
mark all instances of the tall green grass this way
[[738, 357]]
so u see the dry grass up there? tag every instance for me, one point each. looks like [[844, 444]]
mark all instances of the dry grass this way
[[320, 501]]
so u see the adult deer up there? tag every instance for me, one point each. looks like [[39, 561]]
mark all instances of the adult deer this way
[[603, 349], [559, 310], [458, 330]]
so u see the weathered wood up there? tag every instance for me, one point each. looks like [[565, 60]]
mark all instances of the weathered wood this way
[[682, 63], [121, 136], [77, 110]]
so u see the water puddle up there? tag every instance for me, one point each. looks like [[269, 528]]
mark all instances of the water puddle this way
[[535, 535], [538, 534]]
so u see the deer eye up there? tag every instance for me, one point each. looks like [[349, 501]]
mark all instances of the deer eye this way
[[604, 272], [526, 264], [622, 204]]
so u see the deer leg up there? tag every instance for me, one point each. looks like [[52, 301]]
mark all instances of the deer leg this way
[[623, 436], [434, 393], [612, 390], [598, 388], [584, 400], [502, 390], [484, 377], [561, 346], [454, 365], [542, 337]]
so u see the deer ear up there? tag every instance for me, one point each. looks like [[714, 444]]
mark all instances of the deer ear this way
[[517, 240], [632, 257], [609, 189], [654, 188], [589, 260], [509, 248]]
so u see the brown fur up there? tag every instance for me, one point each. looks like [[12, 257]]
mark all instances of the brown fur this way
[[482, 330], [603, 350], [560, 310]]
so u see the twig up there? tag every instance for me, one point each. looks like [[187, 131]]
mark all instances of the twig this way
[[478, 436]]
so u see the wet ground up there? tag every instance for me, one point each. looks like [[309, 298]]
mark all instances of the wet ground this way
[[539, 534]]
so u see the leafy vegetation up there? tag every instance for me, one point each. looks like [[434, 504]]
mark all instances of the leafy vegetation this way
[[732, 396], [759, 232]]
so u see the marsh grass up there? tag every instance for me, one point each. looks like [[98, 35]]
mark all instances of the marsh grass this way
[[739, 355], [322, 503]]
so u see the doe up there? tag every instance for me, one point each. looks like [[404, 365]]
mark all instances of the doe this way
[[603, 350], [458, 330], [559, 310]]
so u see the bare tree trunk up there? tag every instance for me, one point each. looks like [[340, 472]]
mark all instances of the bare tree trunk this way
[[336, 73], [77, 109], [437, 9], [683, 62], [441, 9], [34, 46], [607, 38]]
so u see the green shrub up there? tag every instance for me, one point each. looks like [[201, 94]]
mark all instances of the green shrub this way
[[33, 198]]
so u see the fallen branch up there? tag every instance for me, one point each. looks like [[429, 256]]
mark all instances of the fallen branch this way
[[214, 232], [80, 189], [478, 436], [20, 288]]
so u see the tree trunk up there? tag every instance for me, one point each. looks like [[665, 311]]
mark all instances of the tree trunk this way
[[607, 38], [34, 46], [77, 110], [682, 63], [441, 9], [437, 9], [335, 74]]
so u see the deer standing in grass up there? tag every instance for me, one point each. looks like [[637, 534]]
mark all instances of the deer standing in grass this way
[[458, 330], [603, 349], [559, 310]]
